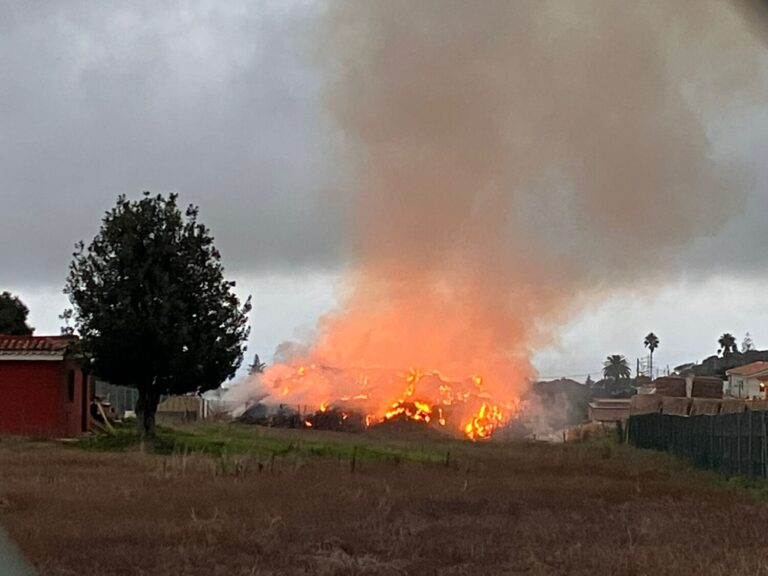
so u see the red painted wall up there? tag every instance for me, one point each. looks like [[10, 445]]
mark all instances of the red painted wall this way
[[35, 398]]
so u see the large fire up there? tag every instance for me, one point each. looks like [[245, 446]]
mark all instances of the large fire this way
[[428, 347], [464, 407]]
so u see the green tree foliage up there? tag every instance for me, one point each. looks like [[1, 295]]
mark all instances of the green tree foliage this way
[[616, 367], [651, 342], [152, 306], [727, 344], [13, 316], [66, 317]]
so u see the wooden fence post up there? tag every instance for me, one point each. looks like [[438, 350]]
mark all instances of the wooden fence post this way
[[751, 459], [764, 451], [738, 442], [719, 438]]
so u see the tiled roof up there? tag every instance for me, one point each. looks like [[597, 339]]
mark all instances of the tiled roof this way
[[34, 345], [751, 369]]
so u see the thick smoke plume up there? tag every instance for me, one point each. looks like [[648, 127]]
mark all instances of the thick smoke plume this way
[[512, 162]]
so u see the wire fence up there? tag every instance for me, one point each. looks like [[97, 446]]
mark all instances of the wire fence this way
[[731, 444]]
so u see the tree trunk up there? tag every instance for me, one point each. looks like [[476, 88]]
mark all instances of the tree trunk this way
[[146, 407], [651, 368]]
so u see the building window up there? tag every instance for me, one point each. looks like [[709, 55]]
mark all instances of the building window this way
[[71, 386]]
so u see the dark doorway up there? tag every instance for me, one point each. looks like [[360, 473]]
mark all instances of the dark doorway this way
[[85, 397]]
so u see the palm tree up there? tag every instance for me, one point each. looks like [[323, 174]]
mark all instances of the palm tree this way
[[651, 342], [727, 344], [616, 367]]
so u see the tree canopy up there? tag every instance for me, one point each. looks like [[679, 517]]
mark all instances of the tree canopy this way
[[727, 344], [651, 342], [151, 303], [13, 316], [616, 367]]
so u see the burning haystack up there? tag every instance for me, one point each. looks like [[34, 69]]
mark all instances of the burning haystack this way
[[353, 402]]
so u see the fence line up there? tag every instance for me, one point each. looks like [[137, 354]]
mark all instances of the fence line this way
[[731, 444]]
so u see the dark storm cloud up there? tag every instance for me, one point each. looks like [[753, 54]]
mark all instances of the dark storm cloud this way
[[216, 101], [220, 101]]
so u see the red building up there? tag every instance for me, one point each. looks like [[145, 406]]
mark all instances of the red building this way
[[43, 390]]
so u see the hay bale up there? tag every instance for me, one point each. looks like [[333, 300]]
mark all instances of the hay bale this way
[[758, 405], [677, 406], [704, 387], [732, 406], [645, 404], [337, 420], [670, 386], [255, 414], [701, 406]]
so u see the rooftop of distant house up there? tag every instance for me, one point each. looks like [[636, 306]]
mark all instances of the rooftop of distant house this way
[[749, 370], [15, 346]]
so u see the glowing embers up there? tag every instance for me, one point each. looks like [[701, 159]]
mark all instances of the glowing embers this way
[[482, 424], [455, 397], [407, 408], [347, 399], [418, 411]]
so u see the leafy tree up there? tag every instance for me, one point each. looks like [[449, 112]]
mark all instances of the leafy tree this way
[[152, 306], [13, 316], [589, 382], [747, 344], [727, 344], [651, 342], [616, 367], [66, 317]]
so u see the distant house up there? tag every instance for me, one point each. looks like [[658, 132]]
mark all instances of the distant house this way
[[43, 389], [748, 381], [609, 410]]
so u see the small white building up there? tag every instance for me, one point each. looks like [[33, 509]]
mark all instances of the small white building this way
[[748, 381], [607, 410]]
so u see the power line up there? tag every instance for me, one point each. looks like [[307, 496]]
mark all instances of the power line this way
[[590, 374]]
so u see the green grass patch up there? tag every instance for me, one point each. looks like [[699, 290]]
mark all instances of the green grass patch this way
[[757, 488], [222, 440]]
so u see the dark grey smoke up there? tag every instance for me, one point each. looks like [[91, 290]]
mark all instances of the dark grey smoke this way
[[222, 102]]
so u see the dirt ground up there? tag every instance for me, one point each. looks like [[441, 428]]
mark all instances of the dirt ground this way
[[491, 509]]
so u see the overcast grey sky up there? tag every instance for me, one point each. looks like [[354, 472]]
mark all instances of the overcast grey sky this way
[[222, 102]]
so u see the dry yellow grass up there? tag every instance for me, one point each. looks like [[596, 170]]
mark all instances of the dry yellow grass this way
[[495, 509]]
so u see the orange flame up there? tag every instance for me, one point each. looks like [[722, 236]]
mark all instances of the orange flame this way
[[482, 425], [426, 397], [417, 411]]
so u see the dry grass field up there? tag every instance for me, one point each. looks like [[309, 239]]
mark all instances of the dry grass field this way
[[269, 502]]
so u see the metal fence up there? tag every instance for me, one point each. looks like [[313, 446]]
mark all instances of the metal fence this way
[[122, 398], [732, 444]]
